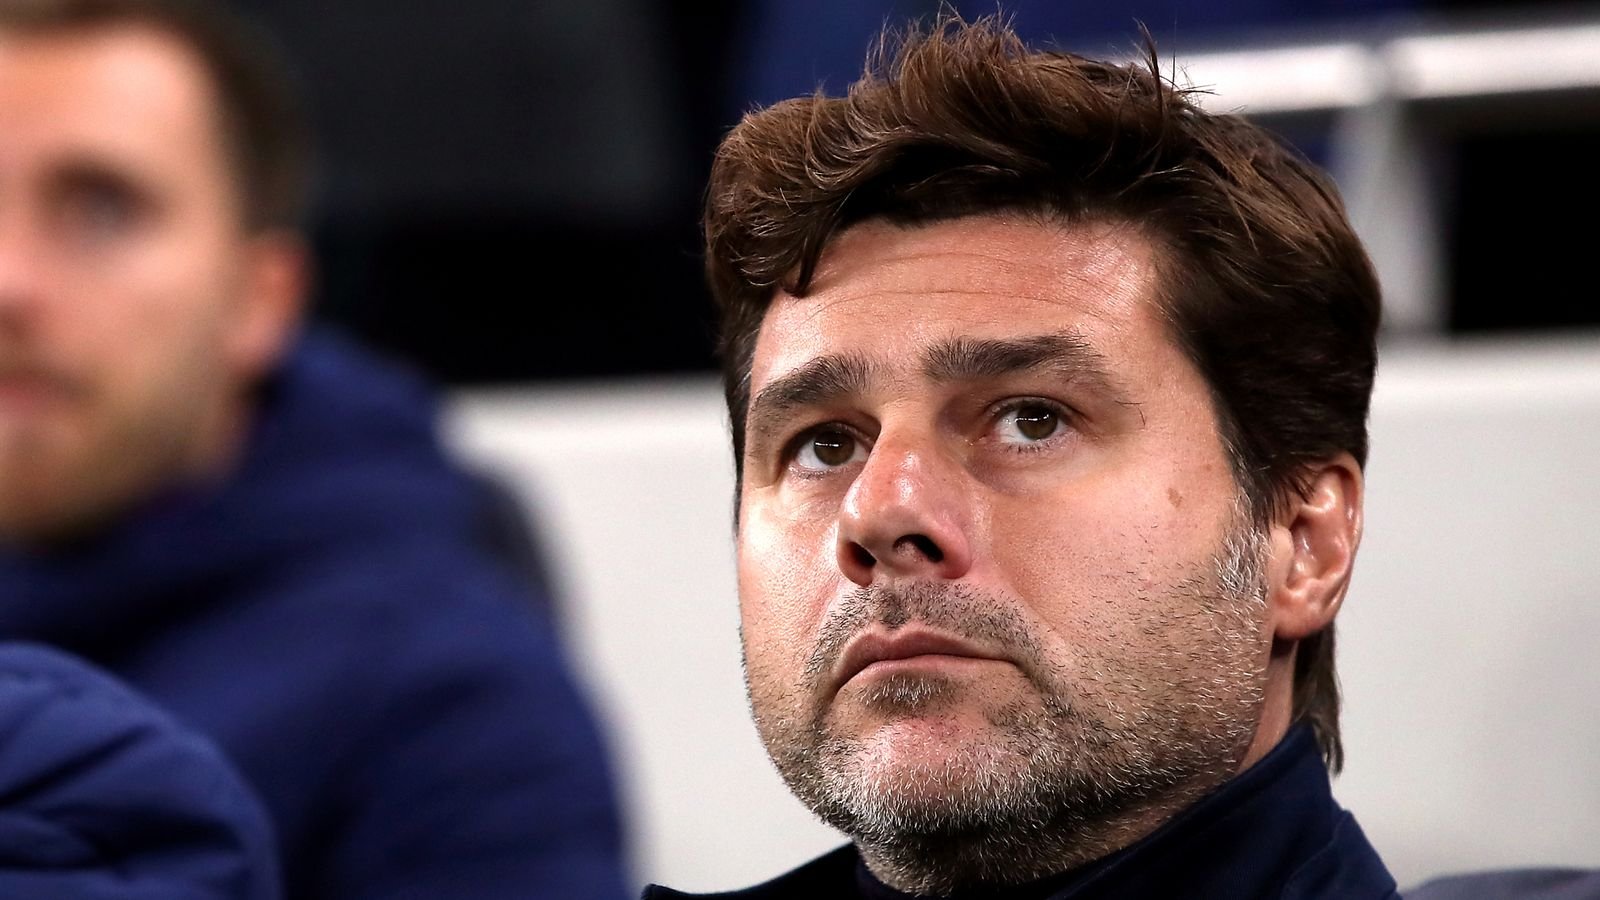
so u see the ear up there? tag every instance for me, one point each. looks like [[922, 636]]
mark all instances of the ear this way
[[272, 299], [1314, 545]]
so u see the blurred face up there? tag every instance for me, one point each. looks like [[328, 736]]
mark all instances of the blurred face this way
[[1002, 606], [134, 305]]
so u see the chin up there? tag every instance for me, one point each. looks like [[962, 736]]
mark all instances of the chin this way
[[920, 771]]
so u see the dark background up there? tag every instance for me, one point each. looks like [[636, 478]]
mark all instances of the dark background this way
[[508, 191]]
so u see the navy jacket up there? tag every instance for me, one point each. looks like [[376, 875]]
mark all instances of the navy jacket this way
[[329, 617], [104, 797], [1273, 832]]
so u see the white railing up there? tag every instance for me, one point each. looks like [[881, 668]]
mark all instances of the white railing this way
[[1379, 149]]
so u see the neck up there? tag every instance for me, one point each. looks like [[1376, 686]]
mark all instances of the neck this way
[[219, 441]]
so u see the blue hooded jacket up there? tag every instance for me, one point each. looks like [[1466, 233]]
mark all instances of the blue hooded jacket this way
[[106, 798], [329, 615]]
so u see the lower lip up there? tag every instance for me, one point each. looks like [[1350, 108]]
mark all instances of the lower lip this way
[[941, 663]]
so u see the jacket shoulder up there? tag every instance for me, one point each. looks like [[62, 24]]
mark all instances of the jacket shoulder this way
[[104, 790]]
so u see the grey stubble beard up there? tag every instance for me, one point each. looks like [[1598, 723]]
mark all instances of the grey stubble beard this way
[[1067, 768]]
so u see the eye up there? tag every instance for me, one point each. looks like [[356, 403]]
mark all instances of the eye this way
[[99, 212], [95, 206], [1029, 422], [825, 448]]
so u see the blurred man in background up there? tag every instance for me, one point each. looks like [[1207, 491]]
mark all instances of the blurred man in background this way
[[1049, 395], [258, 527]]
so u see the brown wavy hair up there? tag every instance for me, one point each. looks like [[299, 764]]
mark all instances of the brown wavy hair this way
[[1262, 280]]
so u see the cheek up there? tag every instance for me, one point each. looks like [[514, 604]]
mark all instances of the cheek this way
[[1099, 562], [146, 310], [787, 575]]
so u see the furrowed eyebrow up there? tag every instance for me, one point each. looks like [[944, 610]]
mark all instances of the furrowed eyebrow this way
[[819, 381], [1065, 354]]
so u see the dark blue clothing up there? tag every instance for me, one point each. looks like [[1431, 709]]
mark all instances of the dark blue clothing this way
[[105, 797], [1272, 832], [327, 615]]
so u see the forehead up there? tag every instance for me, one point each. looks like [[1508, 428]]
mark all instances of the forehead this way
[[131, 91], [885, 292]]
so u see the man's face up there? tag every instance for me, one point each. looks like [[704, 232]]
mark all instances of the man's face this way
[[128, 283], [995, 572]]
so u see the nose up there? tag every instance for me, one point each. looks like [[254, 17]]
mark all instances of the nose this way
[[905, 515]]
